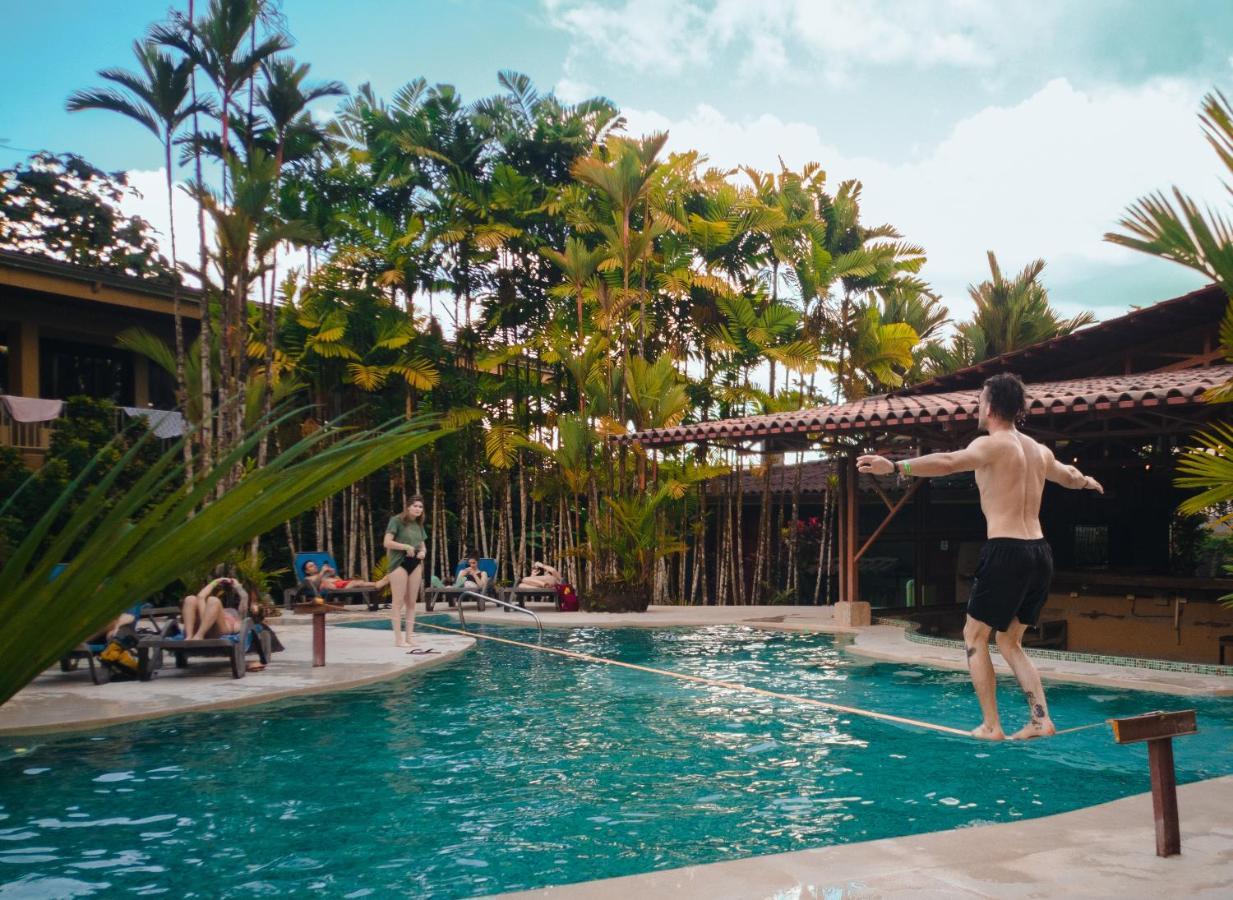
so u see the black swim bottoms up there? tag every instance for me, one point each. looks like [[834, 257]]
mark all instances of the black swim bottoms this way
[[1012, 582], [410, 563]]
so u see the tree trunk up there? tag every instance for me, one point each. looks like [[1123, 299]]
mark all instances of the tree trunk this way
[[207, 388]]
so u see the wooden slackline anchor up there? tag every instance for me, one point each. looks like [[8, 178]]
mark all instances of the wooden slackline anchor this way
[[1159, 729]]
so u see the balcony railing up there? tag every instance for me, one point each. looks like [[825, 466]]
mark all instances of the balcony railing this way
[[28, 436]]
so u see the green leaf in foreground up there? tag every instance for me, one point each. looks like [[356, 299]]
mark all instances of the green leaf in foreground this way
[[146, 540]]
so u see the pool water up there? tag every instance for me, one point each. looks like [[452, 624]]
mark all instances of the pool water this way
[[510, 769]]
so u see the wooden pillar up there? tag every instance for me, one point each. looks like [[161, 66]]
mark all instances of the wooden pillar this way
[[24, 360], [841, 529], [921, 504], [853, 581], [141, 380]]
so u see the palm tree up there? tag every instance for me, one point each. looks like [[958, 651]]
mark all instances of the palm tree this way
[[157, 98], [622, 176], [285, 100], [880, 352], [1201, 240], [215, 43], [1015, 313], [579, 265]]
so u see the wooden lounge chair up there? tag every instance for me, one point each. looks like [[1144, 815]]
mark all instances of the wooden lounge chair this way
[[454, 595], [521, 595], [249, 639], [305, 591]]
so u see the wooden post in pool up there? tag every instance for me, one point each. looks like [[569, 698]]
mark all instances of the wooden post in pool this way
[[1159, 729]]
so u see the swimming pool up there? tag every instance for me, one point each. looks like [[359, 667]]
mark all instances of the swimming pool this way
[[510, 769]]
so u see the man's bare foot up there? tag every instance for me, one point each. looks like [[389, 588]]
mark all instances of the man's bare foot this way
[[399, 642], [1035, 729], [985, 733]]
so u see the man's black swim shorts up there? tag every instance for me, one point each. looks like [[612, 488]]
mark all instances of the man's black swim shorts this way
[[1012, 582]]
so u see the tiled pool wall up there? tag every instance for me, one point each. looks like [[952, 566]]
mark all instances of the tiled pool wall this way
[[1165, 665]]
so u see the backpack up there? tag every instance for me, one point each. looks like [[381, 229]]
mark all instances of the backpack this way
[[118, 655], [567, 597]]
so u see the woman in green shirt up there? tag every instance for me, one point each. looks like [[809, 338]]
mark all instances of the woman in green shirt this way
[[405, 541]]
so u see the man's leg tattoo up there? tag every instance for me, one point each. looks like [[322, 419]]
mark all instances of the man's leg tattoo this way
[[1037, 710]]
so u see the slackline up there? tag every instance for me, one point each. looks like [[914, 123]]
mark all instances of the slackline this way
[[734, 686]]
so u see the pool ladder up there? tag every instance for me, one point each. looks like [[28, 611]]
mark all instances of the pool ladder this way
[[483, 599]]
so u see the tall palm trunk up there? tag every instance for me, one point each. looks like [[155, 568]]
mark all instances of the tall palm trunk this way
[[178, 318], [207, 387]]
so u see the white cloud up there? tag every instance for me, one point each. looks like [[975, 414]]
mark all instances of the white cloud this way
[[151, 205], [836, 36], [1044, 178]]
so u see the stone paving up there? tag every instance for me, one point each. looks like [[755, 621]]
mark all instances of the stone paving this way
[[1100, 851], [59, 701]]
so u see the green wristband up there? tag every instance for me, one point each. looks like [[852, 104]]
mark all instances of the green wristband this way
[[907, 467]]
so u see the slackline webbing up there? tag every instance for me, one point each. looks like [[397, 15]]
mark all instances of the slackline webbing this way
[[734, 686]]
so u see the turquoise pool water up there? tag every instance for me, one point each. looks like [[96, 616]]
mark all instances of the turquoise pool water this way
[[510, 769]]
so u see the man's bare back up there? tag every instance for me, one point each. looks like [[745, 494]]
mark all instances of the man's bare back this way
[[1012, 579]]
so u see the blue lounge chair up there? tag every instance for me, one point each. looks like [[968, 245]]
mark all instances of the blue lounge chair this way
[[89, 651], [453, 595], [305, 589]]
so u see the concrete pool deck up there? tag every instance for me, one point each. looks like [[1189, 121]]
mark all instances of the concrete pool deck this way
[[62, 701], [1099, 851]]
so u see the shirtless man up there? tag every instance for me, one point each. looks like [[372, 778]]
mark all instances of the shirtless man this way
[[1016, 564]]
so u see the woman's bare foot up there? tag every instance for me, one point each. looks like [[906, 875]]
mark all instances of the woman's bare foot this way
[[1037, 728], [985, 733]]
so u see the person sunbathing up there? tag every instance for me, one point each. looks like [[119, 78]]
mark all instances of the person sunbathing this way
[[472, 578], [125, 618], [543, 577], [324, 578], [216, 610]]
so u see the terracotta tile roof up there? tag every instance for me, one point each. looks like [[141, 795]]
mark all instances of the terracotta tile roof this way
[[1199, 307], [889, 413]]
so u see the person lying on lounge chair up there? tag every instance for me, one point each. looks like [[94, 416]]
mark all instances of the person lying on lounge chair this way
[[326, 579], [217, 609], [106, 634], [472, 578], [543, 577]]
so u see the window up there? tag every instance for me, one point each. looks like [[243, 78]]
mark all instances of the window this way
[[162, 386], [67, 369], [4, 362], [1091, 546]]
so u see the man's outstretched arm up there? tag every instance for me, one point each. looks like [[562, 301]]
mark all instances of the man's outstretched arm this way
[[1069, 476], [969, 459]]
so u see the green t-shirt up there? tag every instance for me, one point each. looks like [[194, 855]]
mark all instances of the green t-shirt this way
[[410, 533]]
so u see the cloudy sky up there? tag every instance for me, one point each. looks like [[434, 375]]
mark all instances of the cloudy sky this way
[[1023, 128]]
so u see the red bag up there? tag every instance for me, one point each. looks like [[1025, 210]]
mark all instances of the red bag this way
[[567, 597]]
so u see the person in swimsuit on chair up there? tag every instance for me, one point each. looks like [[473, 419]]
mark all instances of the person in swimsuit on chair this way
[[1016, 564]]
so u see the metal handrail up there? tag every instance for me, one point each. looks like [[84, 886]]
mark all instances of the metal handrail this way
[[484, 599]]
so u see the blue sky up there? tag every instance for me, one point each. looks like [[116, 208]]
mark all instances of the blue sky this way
[[1024, 128]]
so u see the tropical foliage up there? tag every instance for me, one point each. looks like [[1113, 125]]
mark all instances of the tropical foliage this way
[[538, 277], [121, 545], [1178, 229]]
